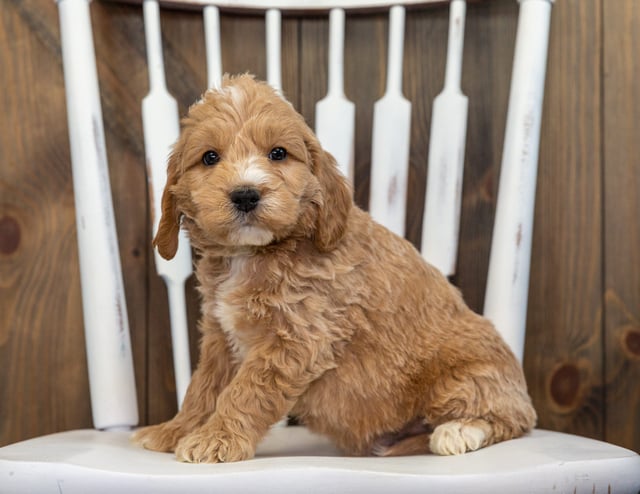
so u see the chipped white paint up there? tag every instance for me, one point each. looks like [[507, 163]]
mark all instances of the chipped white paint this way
[[390, 139], [111, 377], [508, 279], [335, 114], [161, 128], [441, 220]]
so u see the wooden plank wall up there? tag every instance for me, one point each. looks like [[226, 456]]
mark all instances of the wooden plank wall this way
[[583, 344], [621, 175]]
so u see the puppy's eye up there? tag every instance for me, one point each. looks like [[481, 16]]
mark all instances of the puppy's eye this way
[[210, 158], [277, 154]]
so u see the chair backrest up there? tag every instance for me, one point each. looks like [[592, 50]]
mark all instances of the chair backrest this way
[[104, 306]]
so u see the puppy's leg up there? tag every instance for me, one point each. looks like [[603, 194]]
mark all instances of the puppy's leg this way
[[413, 445], [215, 370], [267, 384], [412, 439], [478, 408]]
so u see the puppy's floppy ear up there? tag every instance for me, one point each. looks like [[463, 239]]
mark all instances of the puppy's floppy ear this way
[[337, 197], [166, 239]]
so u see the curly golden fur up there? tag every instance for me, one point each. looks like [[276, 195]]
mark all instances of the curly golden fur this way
[[311, 308]]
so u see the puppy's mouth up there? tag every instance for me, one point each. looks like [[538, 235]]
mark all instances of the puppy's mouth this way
[[251, 235]]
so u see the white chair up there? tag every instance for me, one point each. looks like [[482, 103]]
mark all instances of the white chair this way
[[291, 459]]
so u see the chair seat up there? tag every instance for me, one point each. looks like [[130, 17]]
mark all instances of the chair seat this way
[[292, 459]]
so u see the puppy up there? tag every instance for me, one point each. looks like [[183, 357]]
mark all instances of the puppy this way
[[310, 308]]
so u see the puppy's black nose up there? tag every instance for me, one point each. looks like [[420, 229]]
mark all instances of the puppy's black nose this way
[[245, 199]]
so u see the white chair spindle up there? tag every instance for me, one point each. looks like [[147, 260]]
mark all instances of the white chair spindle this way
[[508, 279], [211, 15], [441, 220], [335, 114], [391, 136], [161, 128], [109, 358], [274, 65]]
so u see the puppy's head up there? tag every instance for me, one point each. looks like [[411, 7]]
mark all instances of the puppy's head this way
[[248, 172]]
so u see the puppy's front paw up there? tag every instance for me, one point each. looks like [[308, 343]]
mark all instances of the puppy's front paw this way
[[457, 437], [160, 437], [204, 446]]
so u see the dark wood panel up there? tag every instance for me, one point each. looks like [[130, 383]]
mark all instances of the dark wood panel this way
[[622, 221], [365, 56], [43, 377], [563, 359], [314, 59]]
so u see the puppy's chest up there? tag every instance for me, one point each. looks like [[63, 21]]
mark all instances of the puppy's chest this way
[[231, 308]]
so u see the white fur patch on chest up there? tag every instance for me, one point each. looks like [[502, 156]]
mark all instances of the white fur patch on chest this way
[[227, 312]]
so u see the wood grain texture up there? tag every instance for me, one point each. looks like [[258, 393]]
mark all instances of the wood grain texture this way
[[43, 377], [563, 350], [583, 351], [621, 20]]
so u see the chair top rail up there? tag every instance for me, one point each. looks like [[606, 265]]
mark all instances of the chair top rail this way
[[292, 6]]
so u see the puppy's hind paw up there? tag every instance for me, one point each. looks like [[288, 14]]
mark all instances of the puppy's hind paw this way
[[458, 437]]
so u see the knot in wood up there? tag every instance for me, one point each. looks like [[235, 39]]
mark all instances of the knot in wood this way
[[565, 385], [631, 342], [9, 235]]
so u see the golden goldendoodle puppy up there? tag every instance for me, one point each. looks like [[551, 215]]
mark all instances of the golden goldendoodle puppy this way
[[311, 308]]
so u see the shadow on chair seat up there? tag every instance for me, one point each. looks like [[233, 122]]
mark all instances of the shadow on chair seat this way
[[292, 459]]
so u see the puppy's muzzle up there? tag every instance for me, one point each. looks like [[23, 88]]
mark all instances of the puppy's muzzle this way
[[245, 199]]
